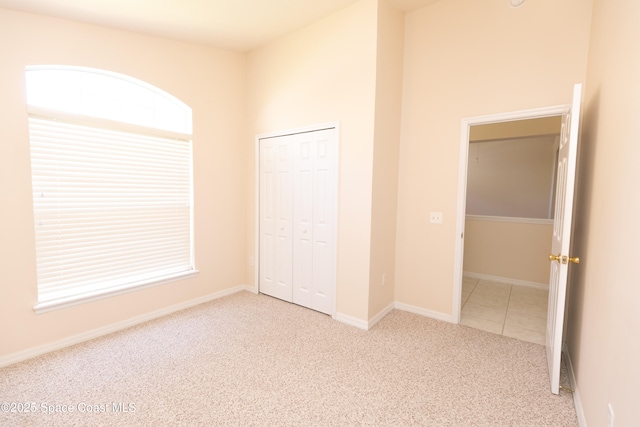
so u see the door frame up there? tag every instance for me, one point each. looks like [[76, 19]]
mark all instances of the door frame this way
[[465, 126], [255, 261]]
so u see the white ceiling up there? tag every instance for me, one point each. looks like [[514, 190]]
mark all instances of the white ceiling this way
[[232, 24]]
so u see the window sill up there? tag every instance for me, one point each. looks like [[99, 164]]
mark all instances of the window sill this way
[[85, 297]]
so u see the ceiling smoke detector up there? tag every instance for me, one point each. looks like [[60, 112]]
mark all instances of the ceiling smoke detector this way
[[516, 3]]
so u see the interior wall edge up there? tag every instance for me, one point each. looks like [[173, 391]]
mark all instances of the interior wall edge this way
[[381, 314]]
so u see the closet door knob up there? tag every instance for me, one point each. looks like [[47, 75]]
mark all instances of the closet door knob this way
[[304, 231]]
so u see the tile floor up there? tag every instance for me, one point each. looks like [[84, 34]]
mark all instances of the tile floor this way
[[510, 310]]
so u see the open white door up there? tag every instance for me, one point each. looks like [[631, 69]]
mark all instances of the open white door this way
[[559, 257]]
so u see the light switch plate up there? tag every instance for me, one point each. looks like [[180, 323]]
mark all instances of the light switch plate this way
[[435, 217]]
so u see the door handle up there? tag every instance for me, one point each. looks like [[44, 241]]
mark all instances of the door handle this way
[[553, 257], [564, 259]]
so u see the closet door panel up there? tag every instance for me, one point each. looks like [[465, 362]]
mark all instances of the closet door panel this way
[[325, 188], [284, 218], [276, 211], [303, 225]]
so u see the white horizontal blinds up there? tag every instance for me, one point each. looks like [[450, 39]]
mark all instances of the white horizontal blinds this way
[[112, 208]]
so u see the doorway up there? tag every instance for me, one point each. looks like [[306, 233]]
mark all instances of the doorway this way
[[505, 223]]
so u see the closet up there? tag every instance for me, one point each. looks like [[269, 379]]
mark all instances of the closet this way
[[297, 215]]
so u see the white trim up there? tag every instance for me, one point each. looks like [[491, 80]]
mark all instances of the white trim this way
[[378, 317], [250, 288], [57, 304], [488, 218], [256, 248], [293, 131], [516, 282], [361, 324], [336, 204], [534, 113], [256, 215], [463, 165], [30, 353], [465, 125], [582, 421], [352, 321], [424, 312]]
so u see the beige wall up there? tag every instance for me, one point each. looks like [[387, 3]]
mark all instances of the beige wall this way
[[321, 73], [511, 177], [604, 325], [385, 157], [467, 58], [209, 80], [512, 250]]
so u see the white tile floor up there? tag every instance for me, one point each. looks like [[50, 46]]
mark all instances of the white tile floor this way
[[510, 310]]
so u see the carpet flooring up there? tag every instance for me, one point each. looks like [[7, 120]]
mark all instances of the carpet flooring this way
[[251, 360]]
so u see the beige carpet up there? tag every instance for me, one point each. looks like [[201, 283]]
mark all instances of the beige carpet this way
[[249, 360]]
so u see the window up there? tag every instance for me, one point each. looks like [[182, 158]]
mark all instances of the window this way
[[111, 169]]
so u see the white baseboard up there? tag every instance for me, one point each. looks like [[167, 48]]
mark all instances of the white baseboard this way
[[582, 421], [375, 319], [424, 312], [507, 280], [249, 288], [352, 321], [30, 353], [361, 324]]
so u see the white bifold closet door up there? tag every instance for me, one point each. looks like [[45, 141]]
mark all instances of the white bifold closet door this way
[[298, 193]]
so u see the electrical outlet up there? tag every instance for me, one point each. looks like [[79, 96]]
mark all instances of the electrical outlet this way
[[610, 416], [435, 217], [383, 278]]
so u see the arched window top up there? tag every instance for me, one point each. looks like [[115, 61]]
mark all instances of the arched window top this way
[[106, 95]]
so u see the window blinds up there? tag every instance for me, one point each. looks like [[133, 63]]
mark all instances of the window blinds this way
[[112, 209]]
